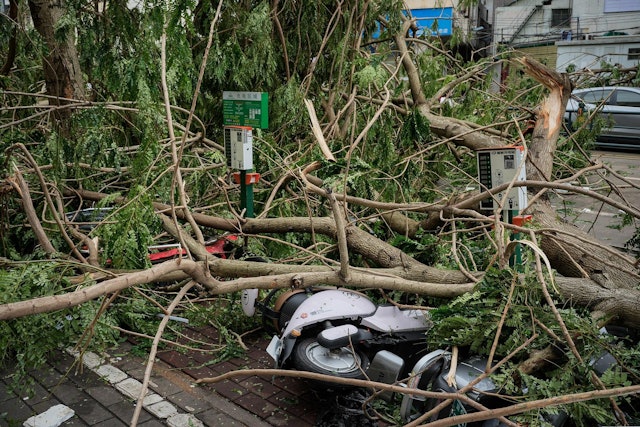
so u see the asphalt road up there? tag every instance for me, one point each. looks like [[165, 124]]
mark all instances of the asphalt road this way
[[600, 220]]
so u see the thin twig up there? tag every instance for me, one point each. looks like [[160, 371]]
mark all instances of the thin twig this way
[[496, 339], [154, 350]]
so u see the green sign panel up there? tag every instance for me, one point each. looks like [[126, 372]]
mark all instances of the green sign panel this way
[[245, 109]]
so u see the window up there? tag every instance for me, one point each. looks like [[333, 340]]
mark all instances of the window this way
[[560, 17], [628, 98], [621, 6], [634, 54], [596, 96]]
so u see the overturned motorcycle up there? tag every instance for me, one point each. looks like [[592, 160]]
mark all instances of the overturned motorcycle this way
[[341, 332]]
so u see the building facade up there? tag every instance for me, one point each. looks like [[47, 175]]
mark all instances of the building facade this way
[[574, 34]]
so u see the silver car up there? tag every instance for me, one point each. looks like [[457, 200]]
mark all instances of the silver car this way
[[620, 105]]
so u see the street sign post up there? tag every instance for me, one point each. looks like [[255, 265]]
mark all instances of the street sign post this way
[[243, 111]]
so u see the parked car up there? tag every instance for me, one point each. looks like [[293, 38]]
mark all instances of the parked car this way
[[618, 105]]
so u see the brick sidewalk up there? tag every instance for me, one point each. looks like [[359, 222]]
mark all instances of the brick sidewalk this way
[[104, 393], [276, 401]]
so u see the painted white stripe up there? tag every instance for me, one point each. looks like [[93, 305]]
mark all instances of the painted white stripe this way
[[130, 387]]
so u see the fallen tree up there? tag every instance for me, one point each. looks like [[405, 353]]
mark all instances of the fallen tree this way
[[336, 204]]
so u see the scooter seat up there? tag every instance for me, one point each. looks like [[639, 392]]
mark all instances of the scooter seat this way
[[342, 336]]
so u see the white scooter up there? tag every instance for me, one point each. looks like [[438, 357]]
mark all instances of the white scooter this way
[[341, 332]]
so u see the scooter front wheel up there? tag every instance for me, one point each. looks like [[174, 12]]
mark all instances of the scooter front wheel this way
[[423, 377], [344, 362]]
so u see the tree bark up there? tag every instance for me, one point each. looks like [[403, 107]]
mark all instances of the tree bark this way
[[13, 41], [62, 74], [549, 118]]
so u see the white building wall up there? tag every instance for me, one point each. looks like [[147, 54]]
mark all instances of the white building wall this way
[[590, 54], [596, 17], [529, 21]]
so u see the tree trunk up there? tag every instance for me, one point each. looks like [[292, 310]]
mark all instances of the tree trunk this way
[[62, 73], [574, 253], [549, 119], [13, 42]]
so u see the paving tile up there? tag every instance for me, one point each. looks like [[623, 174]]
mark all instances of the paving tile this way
[[265, 362], [213, 417], [5, 391], [203, 357], [284, 419], [76, 422], [173, 358], [193, 334], [200, 372], [85, 378], [68, 393], [260, 386], [301, 407], [224, 367], [152, 423], [91, 412], [184, 420], [241, 401], [187, 402], [48, 377], [105, 394], [68, 366], [285, 399], [210, 332], [304, 416], [257, 354], [15, 410], [256, 405], [111, 422], [162, 409], [131, 388], [124, 411], [90, 359], [229, 389], [132, 367], [122, 349], [111, 373], [37, 394], [64, 363], [239, 361], [158, 383], [55, 414], [290, 384]]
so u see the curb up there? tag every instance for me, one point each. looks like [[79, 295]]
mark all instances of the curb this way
[[131, 388]]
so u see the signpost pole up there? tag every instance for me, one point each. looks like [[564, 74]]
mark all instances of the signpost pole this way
[[516, 258], [246, 195]]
